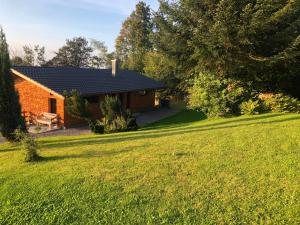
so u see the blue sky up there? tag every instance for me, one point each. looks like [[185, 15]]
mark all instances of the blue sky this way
[[51, 22]]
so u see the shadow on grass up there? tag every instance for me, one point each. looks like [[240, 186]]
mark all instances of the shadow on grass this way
[[183, 117], [231, 123], [92, 154]]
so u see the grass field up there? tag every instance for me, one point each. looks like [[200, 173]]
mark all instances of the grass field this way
[[182, 170]]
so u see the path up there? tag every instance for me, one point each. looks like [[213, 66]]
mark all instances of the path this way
[[142, 120]]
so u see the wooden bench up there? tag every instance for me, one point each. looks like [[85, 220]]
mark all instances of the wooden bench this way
[[49, 119]]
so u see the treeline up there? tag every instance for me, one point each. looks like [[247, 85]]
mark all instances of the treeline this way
[[254, 42], [77, 52]]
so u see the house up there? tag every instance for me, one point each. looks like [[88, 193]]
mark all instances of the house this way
[[41, 90]]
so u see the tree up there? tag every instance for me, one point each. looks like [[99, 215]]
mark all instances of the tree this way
[[17, 61], [162, 68], [40, 55], [246, 40], [10, 110], [33, 56], [77, 106], [28, 58], [75, 53], [101, 57], [134, 40]]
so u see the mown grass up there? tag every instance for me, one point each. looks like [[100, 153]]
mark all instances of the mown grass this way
[[183, 170]]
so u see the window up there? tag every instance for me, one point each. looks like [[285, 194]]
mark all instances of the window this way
[[52, 105], [142, 93]]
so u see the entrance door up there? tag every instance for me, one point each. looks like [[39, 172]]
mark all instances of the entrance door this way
[[128, 101], [53, 105]]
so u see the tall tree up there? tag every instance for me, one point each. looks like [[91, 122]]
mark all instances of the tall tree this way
[[248, 40], [33, 56], [134, 40], [100, 57], [10, 110], [28, 58], [75, 53]]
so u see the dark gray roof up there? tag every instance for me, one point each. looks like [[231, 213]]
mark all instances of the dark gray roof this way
[[88, 81]]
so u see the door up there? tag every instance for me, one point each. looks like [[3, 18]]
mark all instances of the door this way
[[53, 105], [128, 101]]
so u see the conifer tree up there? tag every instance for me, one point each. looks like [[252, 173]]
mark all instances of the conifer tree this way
[[10, 110], [253, 40]]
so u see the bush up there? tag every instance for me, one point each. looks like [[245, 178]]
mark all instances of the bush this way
[[116, 118], [29, 146], [251, 107], [216, 97], [96, 126], [76, 105], [282, 103]]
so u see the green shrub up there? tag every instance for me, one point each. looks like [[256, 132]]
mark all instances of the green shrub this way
[[96, 126], [283, 103], [76, 105], [116, 118], [29, 146], [251, 107], [216, 97]]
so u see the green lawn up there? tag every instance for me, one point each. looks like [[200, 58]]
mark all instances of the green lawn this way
[[183, 170]]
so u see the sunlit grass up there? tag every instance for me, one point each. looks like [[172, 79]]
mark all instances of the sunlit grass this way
[[183, 170]]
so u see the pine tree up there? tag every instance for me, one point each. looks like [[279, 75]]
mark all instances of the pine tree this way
[[253, 40], [134, 40], [10, 110]]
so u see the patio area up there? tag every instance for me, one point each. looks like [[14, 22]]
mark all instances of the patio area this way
[[143, 119]]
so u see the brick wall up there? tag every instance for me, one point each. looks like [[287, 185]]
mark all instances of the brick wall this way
[[35, 100]]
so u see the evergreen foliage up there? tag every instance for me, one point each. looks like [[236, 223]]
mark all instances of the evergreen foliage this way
[[246, 40], [76, 105], [116, 118], [10, 109]]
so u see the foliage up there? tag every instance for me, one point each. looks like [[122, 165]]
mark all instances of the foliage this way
[[75, 53], [29, 146], [230, 171], [252, 40], [76, 105], [216, 97], [96, 126], [116, 118], [283, 103], [134, 41], [17, 61], [161, 68], [33, 56], [101, 59], [251, 107], [10, 109]]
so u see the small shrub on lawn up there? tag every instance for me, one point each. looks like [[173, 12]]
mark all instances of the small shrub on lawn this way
[[29, 146], [251, 107], [282, 103]]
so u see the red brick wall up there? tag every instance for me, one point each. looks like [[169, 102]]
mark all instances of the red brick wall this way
[[35, 100]]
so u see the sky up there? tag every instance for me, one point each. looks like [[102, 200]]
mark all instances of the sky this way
[[50, 22]]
